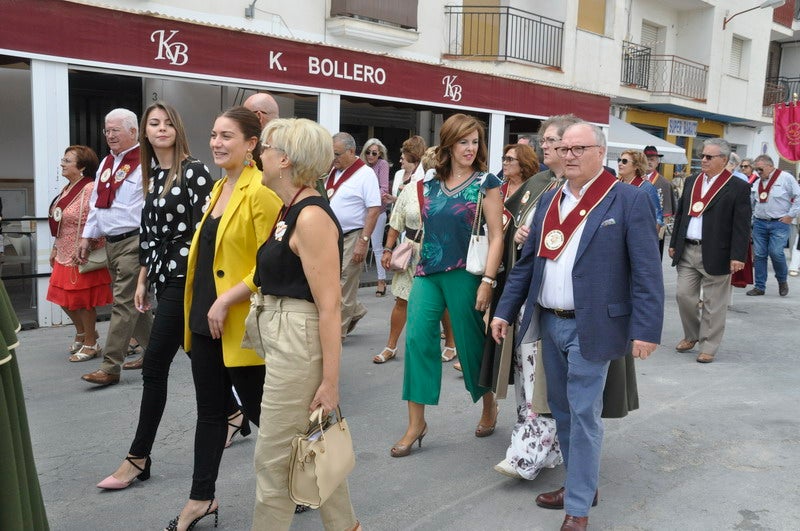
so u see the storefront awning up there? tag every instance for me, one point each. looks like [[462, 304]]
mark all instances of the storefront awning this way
[[622, 136]]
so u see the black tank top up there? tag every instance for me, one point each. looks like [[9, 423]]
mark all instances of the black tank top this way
[[204, 290], [279, 271]]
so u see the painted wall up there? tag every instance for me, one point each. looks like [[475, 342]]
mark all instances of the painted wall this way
[[16, 142]]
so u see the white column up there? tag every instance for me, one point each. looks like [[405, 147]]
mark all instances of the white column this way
[[328, 112], [50, 115], [496, 141]]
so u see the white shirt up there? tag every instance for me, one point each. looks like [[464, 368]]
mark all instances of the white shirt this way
[[125, 213], [418, 175], [556, 290], [782, 199], [695, 229], [354, 197]]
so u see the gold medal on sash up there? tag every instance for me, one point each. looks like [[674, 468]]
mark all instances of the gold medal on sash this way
[[329, 191], [280, 230], [763, 195], [582, 213], [554, 240], [106, 175], [526, 197], [698, 206], [57, 213]]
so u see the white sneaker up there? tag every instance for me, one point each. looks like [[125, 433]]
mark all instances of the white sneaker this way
[[793, 272], [505, 468]]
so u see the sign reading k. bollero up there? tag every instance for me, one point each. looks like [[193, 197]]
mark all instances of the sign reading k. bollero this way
[[129, 39]]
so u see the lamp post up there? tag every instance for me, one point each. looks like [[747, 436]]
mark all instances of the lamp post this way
[[764, 5]]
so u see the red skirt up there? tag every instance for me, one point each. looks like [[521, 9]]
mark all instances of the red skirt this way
[[78, 291]]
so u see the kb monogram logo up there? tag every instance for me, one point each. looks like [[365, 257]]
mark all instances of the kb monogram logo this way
[[174, 52], [451, 90]]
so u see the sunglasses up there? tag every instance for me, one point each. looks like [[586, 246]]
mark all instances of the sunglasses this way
[[709, 157], [622, 161], [746, 166], [373, 153]]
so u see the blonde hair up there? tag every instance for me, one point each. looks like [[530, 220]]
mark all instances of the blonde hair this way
[[308, 145], [638, 161], [428, 159]]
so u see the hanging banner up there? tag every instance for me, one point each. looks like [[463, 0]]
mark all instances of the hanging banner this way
[[787, 131]]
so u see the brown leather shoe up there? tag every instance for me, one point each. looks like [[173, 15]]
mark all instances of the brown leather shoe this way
[[134, 365], [685, 345], [783, 289], [705, 358], [575, 523], [555, 499], [101, 378]]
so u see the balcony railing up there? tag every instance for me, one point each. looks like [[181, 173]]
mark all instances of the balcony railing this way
[[778, 90], [503, 33], [666, 75], [401, 13]]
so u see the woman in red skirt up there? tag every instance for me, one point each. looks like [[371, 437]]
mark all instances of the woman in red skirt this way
[[77, 293]]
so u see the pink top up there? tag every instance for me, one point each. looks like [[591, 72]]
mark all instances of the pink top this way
[[68, 238], [381, 169]]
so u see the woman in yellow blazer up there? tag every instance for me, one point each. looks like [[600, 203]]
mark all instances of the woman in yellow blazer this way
[[239, 218]]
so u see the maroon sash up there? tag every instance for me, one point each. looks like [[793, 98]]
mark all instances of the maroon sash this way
[[653, 177], [330, 187], [763, 191], [700, 202], [107, 185], [637, 181], [556, 233], [62, 201]]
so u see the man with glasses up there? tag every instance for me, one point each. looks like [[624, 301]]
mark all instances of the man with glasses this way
[[709, 243], [115, 211], [585, 316], [664, 190], [352, 190], [264, 106], [775, 205]]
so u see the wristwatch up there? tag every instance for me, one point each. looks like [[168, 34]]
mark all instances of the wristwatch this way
[[489, 280], [365, 239]]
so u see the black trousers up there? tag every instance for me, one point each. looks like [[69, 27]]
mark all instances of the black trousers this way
[[166, 337], [212, 384]]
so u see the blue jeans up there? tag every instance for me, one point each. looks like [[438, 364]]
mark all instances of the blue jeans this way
[[769, 239], [575, 395]]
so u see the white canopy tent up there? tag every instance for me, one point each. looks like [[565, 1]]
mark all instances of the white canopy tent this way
[[622, 136]]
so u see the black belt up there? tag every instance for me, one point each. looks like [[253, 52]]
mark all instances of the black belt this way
[[124, 236], [351, 232], [562, 314], [415, 235], [690, 241], [768, 219]]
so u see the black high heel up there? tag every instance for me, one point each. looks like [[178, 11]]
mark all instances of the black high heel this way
[[173, 524], [243, 428]]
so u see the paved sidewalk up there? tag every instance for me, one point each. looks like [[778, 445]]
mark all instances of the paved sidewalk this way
[[713, 447]]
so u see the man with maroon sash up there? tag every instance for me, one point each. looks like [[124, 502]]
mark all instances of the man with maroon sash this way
[[355, 198], [709, 243], [115, 209], [664, 190], [590, 278], [775, 205]]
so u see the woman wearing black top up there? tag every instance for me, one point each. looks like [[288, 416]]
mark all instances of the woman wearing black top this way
[[176, 189], [298, 271]]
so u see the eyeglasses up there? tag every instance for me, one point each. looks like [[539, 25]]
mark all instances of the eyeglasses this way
[[745, 166], [111, 132], [548, 140], [337, 155], [759, 170], [508, 160], [67, 161], [576, 151], [709, 157], [373, 153], [270, 146], [622, 161]]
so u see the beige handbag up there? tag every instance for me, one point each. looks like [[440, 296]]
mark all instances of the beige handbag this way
[[98, 258], [252, 332], [321, 460]]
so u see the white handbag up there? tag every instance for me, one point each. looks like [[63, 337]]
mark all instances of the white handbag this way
[[478, 243]]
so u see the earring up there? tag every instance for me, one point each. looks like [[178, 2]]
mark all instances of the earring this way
[[280, 174], [248, 160]]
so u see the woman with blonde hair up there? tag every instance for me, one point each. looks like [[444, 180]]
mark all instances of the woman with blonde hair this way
[[297, 271], [374, 154], [450, 200], [632, 169]]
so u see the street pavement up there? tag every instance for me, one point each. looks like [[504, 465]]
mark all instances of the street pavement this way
[[712, 446]]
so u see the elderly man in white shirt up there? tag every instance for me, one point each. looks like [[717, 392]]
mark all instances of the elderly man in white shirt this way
[[115, 209]]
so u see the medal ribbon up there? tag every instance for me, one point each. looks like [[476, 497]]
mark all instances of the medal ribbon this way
[[652, 177], [763, 191], [107, 190], [285, 210], [331, 187], [63, 201], [700, 202], [565, 229]]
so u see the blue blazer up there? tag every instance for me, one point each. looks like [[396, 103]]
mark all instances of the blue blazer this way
[[617, 281]]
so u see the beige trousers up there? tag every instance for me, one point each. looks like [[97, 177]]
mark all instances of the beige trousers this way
[[351, 275], [705, 324], [290, 334]]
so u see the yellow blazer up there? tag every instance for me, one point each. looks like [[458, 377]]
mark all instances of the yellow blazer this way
[[246, 224]]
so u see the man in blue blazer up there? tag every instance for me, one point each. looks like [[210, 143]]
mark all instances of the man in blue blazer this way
[[590, 278]]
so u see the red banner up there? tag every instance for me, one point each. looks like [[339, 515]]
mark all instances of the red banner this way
[[787, 131]]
